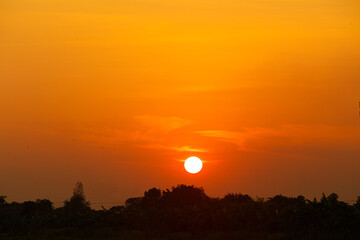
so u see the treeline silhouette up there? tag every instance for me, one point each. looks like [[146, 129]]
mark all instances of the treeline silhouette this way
[[187, 212]]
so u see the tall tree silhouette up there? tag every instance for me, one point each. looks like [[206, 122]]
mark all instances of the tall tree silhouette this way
[[77, 203]]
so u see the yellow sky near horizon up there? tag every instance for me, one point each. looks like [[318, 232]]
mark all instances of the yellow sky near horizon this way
[[117, 93]]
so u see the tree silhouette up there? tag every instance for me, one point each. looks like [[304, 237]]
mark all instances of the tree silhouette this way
[[183, 195], [77, 204], [152, 194], [357, 204], [187, 210], [2, 200], [237, 197]]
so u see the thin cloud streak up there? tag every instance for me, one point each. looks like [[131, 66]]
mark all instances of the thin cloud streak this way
[[184, 148], [239, 138], [245, 140], [157, 130], [161, 124], [154, 133]]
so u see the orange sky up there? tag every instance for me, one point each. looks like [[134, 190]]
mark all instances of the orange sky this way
[[117, 93]]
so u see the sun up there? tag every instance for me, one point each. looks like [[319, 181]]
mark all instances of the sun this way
[[193, 165]]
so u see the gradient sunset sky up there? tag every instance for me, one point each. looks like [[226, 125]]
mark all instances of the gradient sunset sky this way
[[117, 93]]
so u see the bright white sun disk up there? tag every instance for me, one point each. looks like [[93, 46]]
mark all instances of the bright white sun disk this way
[[193, 165]]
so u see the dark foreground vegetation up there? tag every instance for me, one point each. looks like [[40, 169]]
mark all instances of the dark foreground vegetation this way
[[184, 212]]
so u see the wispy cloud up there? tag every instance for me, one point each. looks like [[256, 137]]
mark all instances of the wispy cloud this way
[[249, 139], [188, 149], [239, 138], [152, 132], [175, 148], [157, 131], [161, 124]]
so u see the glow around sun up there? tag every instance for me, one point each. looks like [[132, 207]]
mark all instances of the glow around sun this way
[[193, 165]]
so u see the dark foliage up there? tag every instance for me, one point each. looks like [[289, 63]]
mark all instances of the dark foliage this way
[[187, 210]]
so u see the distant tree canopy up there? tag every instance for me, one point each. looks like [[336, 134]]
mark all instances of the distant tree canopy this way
[[40, 207], [357, 204], [236, 197], [152, 194], [77, 203], [2, 200], [183, 195], [187, 209]]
